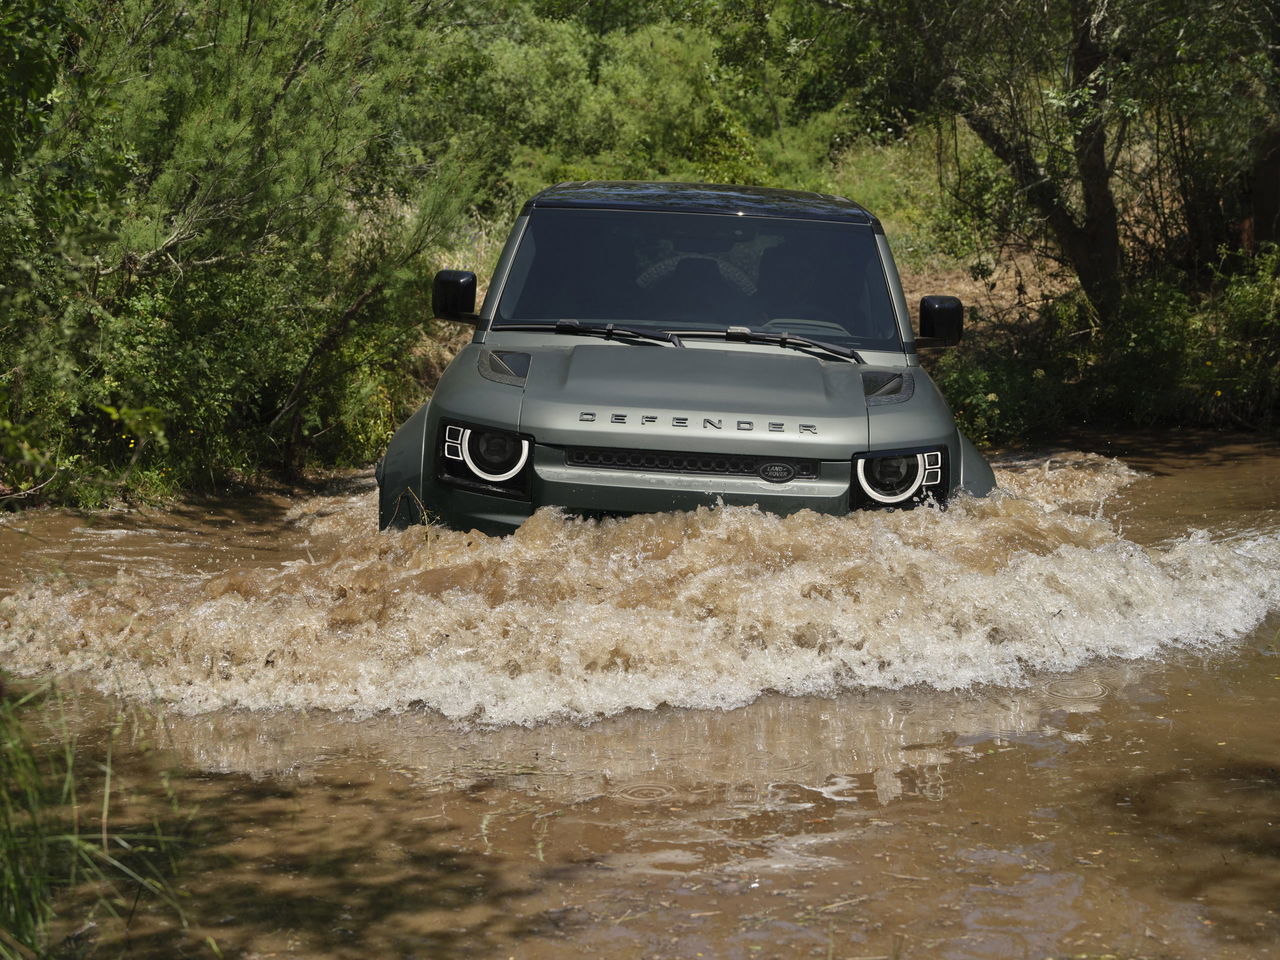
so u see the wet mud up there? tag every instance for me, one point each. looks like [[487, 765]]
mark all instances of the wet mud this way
[[1038, 725]]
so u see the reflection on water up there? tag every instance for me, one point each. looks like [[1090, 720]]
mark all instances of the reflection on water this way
[[1126, 809], [871, 747]]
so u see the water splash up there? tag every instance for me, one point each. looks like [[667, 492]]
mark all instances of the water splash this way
[[569, 619]]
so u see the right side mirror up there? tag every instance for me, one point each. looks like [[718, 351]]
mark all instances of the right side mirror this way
[[453, 295], [941, 321]]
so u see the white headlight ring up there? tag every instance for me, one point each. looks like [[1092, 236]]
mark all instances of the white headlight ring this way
[[484, 474], [879, 497]]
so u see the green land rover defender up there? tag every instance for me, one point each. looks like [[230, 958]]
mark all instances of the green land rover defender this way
[[659, 346]]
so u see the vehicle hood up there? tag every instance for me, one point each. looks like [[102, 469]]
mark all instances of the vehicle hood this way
[[757, 400]]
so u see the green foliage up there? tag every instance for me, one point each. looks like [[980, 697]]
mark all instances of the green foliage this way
[[674, 121], [25, 852], [999, 394], [31, 33], [276, 202], [1139, 370], [1215, 360], [1118, 139], [1167, 358], [218, 220], [981, 207], [1237, 332], [655, 110], [897, 181]]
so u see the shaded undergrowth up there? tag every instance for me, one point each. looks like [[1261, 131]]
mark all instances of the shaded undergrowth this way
[[1168, 359]]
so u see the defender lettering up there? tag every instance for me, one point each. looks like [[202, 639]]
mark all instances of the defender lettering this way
[[708, 423]]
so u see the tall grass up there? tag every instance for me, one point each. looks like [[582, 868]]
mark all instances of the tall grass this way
[[50, 846], [24, 847]]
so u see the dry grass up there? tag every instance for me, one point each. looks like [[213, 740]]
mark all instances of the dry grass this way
[[1016, 286]]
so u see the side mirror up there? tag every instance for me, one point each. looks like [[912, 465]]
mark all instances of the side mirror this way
[[453, 295], [941, 321]]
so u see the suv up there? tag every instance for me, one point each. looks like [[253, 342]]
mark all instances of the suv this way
[[659, 346]]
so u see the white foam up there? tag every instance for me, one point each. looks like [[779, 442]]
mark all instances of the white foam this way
[[576, 620]]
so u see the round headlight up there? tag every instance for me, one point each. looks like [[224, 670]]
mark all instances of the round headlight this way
[[891, 479], [494, 455]]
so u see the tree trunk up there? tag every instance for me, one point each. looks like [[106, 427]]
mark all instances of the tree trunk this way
[[1089, 239], [1264, 192], [1095, 250]]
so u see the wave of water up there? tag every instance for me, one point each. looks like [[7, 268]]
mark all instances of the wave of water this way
[[568, 619]]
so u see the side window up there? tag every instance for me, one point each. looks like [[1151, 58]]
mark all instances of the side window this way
[[515, 285], [499, 277]]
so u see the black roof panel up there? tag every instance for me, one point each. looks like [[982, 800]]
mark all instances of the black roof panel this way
[[700, 198]]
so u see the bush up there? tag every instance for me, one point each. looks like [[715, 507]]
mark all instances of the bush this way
[[1234, 340], [1169, 358], [897, 180], [998, 395], [1165, 359], [268, 191]]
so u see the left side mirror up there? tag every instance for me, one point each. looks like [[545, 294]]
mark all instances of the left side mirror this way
[[941, 321], [453, 295]]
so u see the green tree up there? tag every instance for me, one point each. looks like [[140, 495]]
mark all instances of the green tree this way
[[282, 175], [1130, 131], [32, 34]]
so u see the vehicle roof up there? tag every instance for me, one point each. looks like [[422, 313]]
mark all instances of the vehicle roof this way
[[700, 198]]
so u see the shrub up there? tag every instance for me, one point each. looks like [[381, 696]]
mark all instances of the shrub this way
[[1235, 346], [998, 395], [1164, 359]]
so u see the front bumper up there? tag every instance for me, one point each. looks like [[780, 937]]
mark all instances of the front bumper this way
[[595, 491]]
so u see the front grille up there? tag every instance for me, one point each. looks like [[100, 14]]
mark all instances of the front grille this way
[[663, 461]]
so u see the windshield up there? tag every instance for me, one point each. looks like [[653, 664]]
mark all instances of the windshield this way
[[701, 272]]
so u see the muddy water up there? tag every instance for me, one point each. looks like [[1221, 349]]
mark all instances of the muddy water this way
[[1042, 724]]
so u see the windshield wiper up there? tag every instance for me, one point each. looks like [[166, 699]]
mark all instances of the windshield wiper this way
[[609, 331], [785, 340]]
